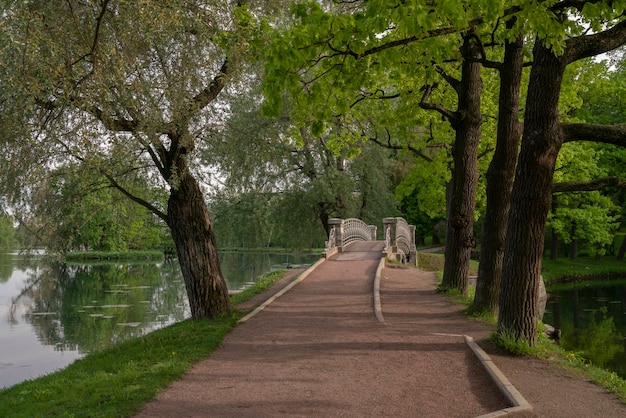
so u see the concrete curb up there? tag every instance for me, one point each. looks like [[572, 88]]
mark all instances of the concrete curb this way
[[520, 404], [378, 310], [282, 291]]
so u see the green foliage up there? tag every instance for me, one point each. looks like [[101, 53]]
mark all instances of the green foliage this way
[[591, 217], [8, 239], [427, 181]]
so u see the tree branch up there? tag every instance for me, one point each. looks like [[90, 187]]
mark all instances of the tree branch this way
[[588, 186], [134, 198], [389, 145], [608, 134], [424, 104], [591, 45], [209, 93]]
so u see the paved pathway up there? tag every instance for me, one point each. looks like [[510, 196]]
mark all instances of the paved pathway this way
[[319, 350]]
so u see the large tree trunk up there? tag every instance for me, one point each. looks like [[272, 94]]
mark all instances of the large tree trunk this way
[[573, 247], [500, 180], [530, 199], [622, 250], [460, 222], [192, 231]]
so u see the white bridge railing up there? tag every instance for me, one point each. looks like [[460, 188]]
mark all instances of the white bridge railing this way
[[344, 231], [400, 240], [399, 237]]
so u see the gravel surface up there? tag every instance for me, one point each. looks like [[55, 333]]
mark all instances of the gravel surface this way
[[319, 351]]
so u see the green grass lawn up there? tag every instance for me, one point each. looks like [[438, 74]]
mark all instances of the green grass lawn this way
[[118, 381], [564, 268]]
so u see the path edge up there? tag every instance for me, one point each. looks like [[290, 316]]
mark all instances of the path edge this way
[[281, 292], [520, 404], [378, 309]]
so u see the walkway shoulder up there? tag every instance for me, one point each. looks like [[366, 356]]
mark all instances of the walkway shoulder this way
[[282, 291], [378, 309], [520, 404]]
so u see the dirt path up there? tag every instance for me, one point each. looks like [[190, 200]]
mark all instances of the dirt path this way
[[319, 350]]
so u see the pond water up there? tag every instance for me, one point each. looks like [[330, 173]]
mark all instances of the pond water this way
[[51, 314], [592, 320]]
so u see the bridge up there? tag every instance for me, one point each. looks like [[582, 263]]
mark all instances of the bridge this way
[[399, 237]]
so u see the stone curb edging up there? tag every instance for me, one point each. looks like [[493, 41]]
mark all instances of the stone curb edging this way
[[509, 391], [520, 404], [378, 310], [284, 290]]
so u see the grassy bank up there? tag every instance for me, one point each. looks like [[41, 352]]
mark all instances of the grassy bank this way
[[564, 270], [118, 381], [556, 273]]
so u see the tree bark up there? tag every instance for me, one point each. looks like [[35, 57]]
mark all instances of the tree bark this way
[[460, 222], [192, 232], [588, 186], [531, 199], [500, 180], [622, 250], [573, 247], [532, 190]]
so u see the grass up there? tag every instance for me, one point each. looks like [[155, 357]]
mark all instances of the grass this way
[[553, 271], [118, 381], [567, 270], [548, 350]]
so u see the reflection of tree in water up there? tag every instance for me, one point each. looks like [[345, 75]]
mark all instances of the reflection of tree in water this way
[[89, 307], [593, 323], [11, 261], [599, 341], [24, 298]]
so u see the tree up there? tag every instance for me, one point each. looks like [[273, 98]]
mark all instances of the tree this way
[[125, 88], [500, 175], [281, 184], [335, 64], [541, 142]]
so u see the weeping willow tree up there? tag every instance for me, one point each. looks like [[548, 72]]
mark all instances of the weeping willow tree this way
[[124, 89]]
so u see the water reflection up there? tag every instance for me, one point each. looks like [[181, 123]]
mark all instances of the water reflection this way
[[52, 314], [592, 320], [86, 308]]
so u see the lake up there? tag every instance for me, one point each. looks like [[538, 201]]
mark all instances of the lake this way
[[53, 314], [592, 320]]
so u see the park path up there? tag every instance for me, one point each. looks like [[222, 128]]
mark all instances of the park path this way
[[319, 350]]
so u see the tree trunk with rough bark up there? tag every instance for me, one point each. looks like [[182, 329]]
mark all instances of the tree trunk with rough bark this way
[[460, 223], [531, 199], [532, 190], [622, 250], [192, 232], [573, 247], [500, 180]]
